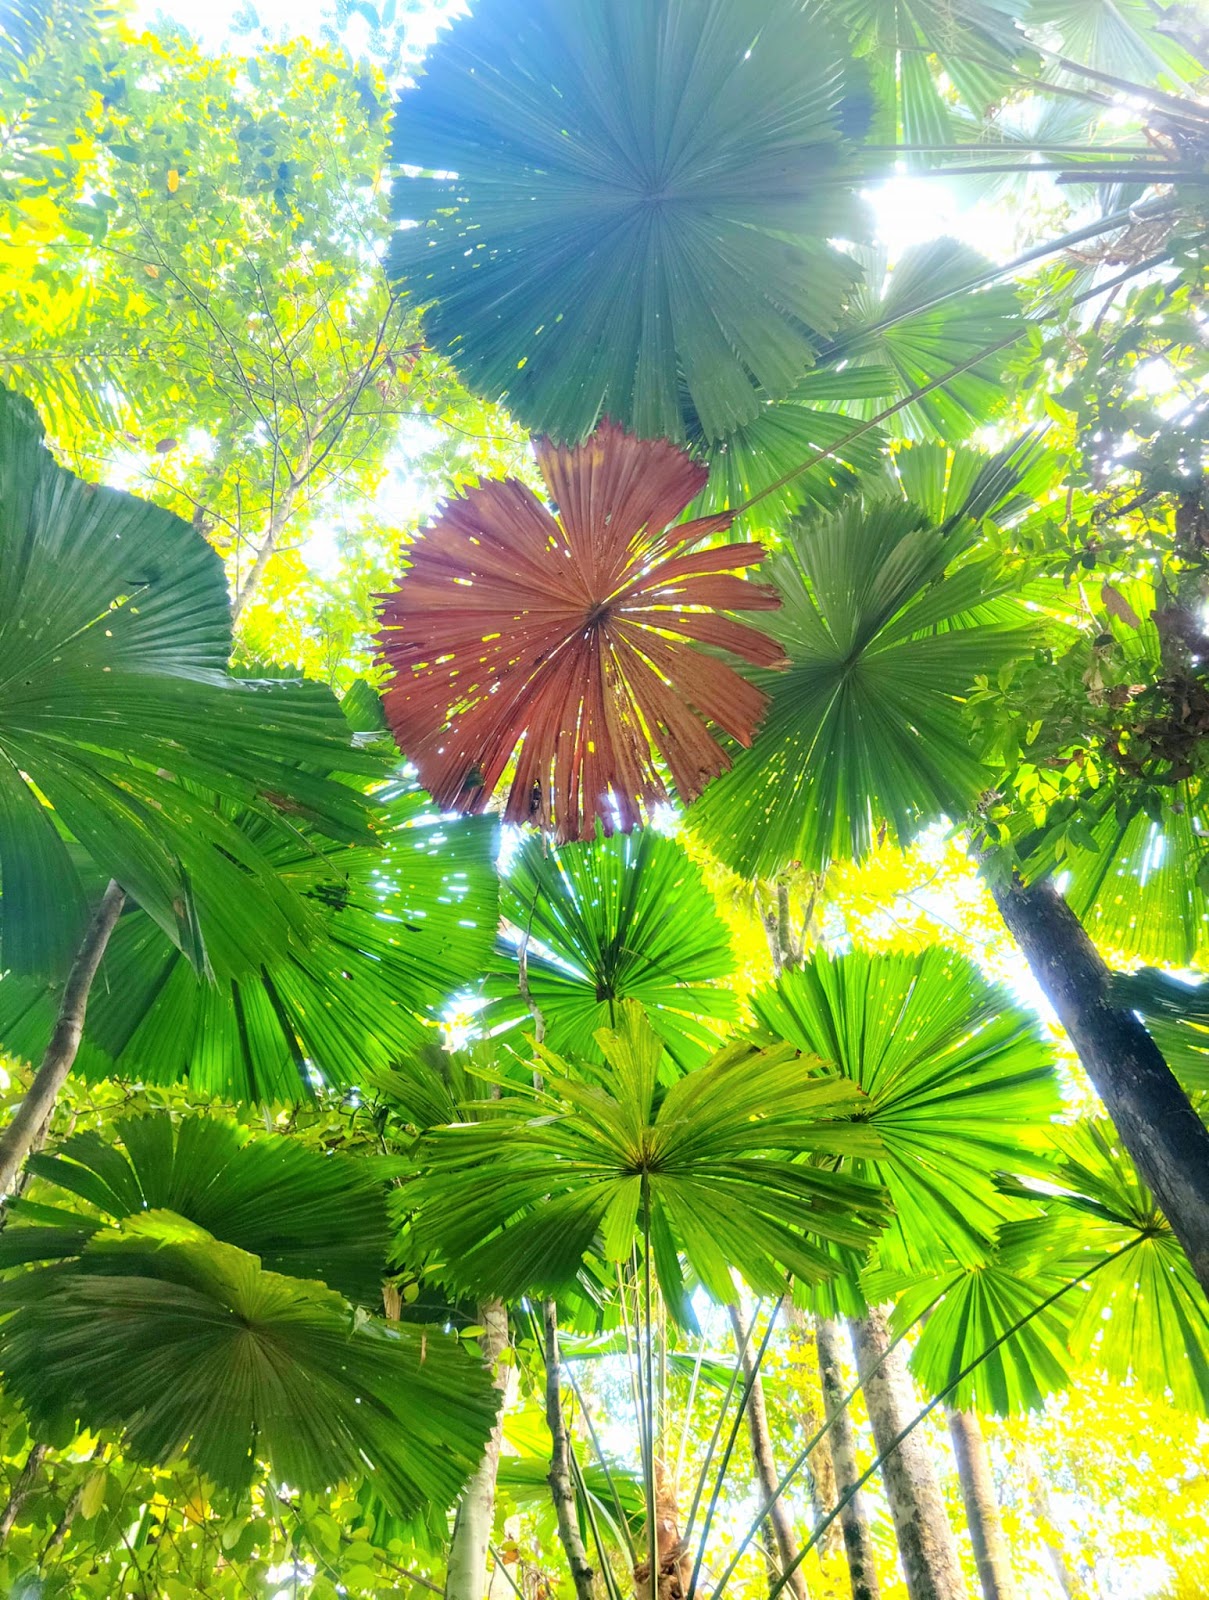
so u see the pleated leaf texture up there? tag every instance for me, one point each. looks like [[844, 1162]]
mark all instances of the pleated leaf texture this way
[[885, 633], [1131, 1308], [120, 728], [173, 1309], [625, 207], [513, 1203], [958, 1081], [569, 637], [402, 923], [627, 918]]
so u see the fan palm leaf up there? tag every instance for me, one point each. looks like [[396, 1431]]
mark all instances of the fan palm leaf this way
[[750, 462], [901, 40], [865, 731], [1133, 1307], [645, 192], [1176, 1015], [567, 643], [917, 321], [626, 918], [600, 1156], [301, 1212], [402, 924], [1139, 892], [191, 1347], [971, 1310], [118, 725], [957, 1081]]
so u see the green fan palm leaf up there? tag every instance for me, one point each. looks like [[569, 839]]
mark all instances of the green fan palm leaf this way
[[190, 1346], [402, 924], [1139, 892], [957, 1079], [301, 1212], [1128, 1301], [118, 723], [644, 198], [865, 730], [976, 1307], [1176, 1015], [602, 1156], [627, 917], [918, 320]]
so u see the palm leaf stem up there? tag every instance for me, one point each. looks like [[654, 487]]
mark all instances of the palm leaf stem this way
[[964, 147], [1158, 1125], [1160, 99], [603, 1462], [502, 1566], [1171, 105], [752, 1376], [935, 383], [39, 1101], [1149, 211], [1155, 172], [920, 1417], [803, 1455], [646, 1338], [717, 1432], [581, 1489]]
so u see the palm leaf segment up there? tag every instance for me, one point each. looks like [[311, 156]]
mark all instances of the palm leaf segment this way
[[570, 639], [404, 923], [1176, 1015], [1137, 1315], [644, 194], [902, 39], [865, 730], [1135, 861], [148, 1322], [623, 918], [118, 726], [513, 1203], [917, 322], [957, 1079]]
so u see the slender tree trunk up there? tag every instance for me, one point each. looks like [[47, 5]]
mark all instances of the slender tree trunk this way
[[466, 1572], [778, 1519], [282, 511], [1166, 1139], [561, 1487], [820, 1467], [39, 1102], [1043, 1514], [857, 1540], [23, 1487], [982, 1508], [925, 1540]]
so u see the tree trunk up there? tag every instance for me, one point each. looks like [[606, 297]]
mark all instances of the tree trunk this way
[[857, 1541], [39, 1101], [23, 1487], [674, 1571], [982, 1508], [466, 1572], [778, 1519], [926, 1545], [1168, 1142], [820, 1467], [1043, 1514], [561, 1487]]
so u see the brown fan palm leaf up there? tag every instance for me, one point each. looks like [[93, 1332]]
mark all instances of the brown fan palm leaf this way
[[568, 637]]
